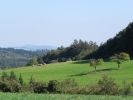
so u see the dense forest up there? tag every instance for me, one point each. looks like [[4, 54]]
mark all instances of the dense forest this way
[[122, 42], [10, 57]]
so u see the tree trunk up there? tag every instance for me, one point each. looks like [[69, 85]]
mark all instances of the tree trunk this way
[[118, 66], [95, 68]]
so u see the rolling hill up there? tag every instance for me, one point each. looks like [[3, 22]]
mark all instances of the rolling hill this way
[[10, 57], [78, 70]]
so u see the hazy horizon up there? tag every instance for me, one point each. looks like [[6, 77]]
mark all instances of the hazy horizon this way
[[57, 23]]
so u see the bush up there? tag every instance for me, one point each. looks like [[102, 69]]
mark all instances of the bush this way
[[126, 88], [4, 86], [93, 89], [54, 86], [39, 87], [108, 86], [69, 86]]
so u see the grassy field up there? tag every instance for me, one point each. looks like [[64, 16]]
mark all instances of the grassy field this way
[[26, 96], [78, 70]]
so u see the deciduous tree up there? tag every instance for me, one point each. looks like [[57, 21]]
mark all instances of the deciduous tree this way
[[119, 58], [95, 62]]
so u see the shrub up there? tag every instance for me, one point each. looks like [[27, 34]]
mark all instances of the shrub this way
[[126, 88], [108, 86], [4, 86], [69, 86], [39, 87], [93, 89], [54, 86]]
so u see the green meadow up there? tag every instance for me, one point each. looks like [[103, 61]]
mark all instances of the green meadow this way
[[29, 96], [78, 70]]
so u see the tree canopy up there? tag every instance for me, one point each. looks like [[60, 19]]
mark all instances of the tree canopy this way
[[119, 58], [95, 62]]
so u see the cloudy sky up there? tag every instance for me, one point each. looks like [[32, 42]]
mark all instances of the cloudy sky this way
[[59, 22]]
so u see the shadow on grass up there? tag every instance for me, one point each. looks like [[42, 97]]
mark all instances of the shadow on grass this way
[[87, 61], [102, 70], [81, 62]]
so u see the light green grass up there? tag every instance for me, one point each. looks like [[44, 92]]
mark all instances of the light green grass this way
[[80, 71], [27, 96]]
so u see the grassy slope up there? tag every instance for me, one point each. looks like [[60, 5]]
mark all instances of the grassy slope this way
[[80, 71]]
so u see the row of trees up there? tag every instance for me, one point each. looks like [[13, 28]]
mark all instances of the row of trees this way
[[118, 58]]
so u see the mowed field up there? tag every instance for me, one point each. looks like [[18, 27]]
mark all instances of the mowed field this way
[[78, 70]]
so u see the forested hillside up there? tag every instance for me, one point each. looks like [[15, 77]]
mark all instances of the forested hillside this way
[[76, 51], [10, 57], [122, 42]]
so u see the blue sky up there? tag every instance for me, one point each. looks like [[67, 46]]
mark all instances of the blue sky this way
[[59, 22]]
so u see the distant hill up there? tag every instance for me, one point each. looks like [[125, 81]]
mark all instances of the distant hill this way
[[35, 47], [10, 57], [122, 42]]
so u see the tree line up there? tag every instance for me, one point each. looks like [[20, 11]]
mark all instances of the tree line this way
[[76, 51]]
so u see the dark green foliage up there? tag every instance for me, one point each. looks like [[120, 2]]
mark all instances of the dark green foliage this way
[[4, 76], [78, 50], [69, 86], [38, 87], [32, 80], [122, 42], [21, 80], [39, 59], [9, 83], [54, 86], [12, 76], [4, 86]]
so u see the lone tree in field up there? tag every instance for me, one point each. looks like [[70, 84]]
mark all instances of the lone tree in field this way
[[95, 62], [119, 58]]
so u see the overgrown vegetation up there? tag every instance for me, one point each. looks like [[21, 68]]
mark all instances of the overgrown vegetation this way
[[105, 86]]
